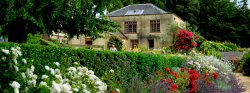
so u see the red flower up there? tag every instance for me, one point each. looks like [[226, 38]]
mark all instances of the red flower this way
[[209, 83], [215, 75], [170, 81], [167, 69], [173, 87], [182, 69], [194, 44], [193, 87], [175, 74], [163, 80], [113, 92], [205, 76]]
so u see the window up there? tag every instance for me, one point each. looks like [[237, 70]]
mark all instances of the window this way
[[88, 41], [133, 44], [130, 26], [154, 25]]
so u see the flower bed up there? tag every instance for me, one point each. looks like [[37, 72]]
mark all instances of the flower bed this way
[[198, 74]]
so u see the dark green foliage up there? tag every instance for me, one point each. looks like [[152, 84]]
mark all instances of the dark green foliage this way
[[125, 64], [20, 17], [116, 41], [33, 39], [246, 64]]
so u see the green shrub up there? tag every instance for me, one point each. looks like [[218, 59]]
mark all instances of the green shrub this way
[[245, 64], [116, 41], [125, 63], [231, 46], [33, 39], [213, 48], [217, 46]]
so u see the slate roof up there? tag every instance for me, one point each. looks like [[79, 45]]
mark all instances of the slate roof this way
[[137, 9]]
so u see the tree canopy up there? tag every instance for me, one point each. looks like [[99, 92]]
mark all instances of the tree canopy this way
[[74, 17]]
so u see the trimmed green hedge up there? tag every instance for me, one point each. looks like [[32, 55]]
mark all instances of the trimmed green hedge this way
[[124, 63]]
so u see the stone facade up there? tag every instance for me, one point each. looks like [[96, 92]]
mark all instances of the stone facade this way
[[144, 35]]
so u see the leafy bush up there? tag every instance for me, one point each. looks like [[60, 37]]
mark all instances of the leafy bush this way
[[231, 46], [245, 64], [207, 46], [186, 41], [55, 41], [33, 39], [116, 41], [213, 48], [56, 79], [125, 63]]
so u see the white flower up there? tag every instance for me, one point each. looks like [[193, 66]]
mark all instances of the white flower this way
[[15, 61], [84, 86], [73, 69], [52, 71], [65, 80], [18, 48], [75, 63], [32, 68], [117, 90], [79, 73], [16, 86], [44, 76], [76, 89], [57, 64], [34, 77], [66, 88], [58, 77], [16, 68], [55, 87], [32, 82], [12, 49], [6, 51], [111, 71], [43, 83], [19, 53], [90, 72], [98, 83], [24, 61], [47, 68], [57, 71], [86, 91], [23, 75]]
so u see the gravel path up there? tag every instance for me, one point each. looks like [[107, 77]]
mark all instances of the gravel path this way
[[245, 80]]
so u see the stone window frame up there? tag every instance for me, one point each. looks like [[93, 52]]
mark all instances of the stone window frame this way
[[133, 43], [130, 26], [155, 26]]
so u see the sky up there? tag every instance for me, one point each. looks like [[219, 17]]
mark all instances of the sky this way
[[247, 2]]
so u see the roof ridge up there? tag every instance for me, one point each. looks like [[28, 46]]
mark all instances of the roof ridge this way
[[118, 9], [148, 8]]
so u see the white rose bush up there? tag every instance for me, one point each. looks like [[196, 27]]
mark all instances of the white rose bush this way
[[21, 77]]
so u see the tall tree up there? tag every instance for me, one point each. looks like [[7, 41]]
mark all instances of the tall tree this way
[[75, 17]]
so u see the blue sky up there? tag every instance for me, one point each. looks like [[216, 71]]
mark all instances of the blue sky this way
[[247, 2]]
